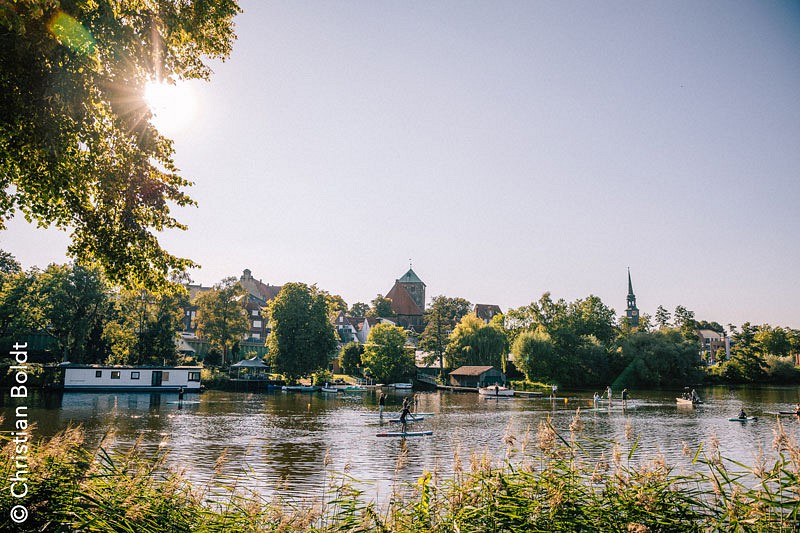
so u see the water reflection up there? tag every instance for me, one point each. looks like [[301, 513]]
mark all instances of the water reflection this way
[[278, 443]]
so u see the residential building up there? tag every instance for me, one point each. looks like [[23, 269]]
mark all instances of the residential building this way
[[710, 342], [487, 311]]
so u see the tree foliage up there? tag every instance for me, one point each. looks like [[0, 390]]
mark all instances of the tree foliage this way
[[221, 315], [77, 147], [359, 309], [441, 317], [380, 307], [661, 358], [350, 358], [302, 340], [146, 325], [475, 343], [386, 357], [581, 335], [71, 303]]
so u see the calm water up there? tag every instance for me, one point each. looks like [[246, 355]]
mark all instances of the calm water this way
[[277, 443]]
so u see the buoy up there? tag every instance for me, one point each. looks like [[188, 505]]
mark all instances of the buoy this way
[[566, 401], [309, 407]]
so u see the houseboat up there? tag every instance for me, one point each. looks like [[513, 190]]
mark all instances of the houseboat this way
[[131, 378]]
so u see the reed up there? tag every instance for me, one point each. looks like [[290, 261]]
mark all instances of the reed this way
[[547, 481]]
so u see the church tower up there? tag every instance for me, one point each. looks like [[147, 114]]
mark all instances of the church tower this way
[[632, 312]]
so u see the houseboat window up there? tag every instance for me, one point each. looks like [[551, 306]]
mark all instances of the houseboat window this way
[[256, 323], [98, 373], [194, 376], [165, 376], [134, 375], [115, 374], [254, 312]]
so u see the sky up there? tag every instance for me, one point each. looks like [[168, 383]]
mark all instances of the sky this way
[[504, 149]]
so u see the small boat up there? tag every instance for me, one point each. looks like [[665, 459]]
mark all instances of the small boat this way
[[737, 419], [331, 390], [354, 388], [387, 414], [401, 385], [495, 390], [298, 388], [405, 433], [688, 401], [795, 413]]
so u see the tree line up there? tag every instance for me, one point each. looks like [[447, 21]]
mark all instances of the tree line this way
[[581, 343]]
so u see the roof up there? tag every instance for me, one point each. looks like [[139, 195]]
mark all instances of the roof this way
[[487, 311], [410, 277], [402, 301], [709, 334], [471, 370], [255, 362], [258, 288]]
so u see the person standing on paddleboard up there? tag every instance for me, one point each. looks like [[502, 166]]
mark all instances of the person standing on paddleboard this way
[[406, 412], [381, 404]]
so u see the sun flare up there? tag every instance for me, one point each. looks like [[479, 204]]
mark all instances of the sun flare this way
[[172, 105]]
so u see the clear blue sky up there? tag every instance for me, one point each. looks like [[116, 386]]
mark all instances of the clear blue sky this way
[[506, 148]]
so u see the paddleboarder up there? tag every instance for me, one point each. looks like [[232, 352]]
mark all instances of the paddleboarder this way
[[406, 412], [742, 414], [381, 404]]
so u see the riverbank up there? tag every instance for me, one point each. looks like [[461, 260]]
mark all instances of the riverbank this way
[[546, 482]]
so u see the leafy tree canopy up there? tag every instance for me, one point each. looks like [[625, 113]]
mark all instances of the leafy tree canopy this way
[[77, 147], [302, 340], [475, 343], [221, 315], [381, 307], [386, 357]]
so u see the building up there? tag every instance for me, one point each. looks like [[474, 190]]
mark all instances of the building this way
[[487, 311], [476, 376], [632, 312], [711, 342], [408, 301]]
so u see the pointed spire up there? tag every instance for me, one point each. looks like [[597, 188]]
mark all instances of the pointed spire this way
[[630, 285]]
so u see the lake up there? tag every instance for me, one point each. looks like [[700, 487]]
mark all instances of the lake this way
[[279, 443]]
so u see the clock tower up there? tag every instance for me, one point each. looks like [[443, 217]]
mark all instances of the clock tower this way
[[632, 312]]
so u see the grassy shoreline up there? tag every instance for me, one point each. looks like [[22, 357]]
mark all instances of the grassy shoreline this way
[[547, 482]]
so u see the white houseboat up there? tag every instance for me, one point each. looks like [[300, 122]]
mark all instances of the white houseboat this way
[[131, 378]]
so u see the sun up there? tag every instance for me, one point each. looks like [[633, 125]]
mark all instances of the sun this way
[[172, 105]]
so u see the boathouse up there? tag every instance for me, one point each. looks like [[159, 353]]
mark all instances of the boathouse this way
[[476, 376]]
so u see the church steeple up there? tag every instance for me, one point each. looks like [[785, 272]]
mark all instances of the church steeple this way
[[632, 312]]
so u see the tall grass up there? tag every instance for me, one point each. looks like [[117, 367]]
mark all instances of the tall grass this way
[[547, 481]]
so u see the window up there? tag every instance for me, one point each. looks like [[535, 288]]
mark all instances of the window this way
[[115, 374], [255, 335], [254, 312], [165, 376], [194, 376], [134, 375], [98, 373], [256, 323]]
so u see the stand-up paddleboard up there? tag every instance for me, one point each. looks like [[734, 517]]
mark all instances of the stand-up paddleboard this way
[[394, 414], [405, 434], [737, 419], [185, 402]]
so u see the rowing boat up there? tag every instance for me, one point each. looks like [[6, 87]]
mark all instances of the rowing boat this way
[[404, 434]]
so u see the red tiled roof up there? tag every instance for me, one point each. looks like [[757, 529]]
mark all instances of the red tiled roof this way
[[402, 302]]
